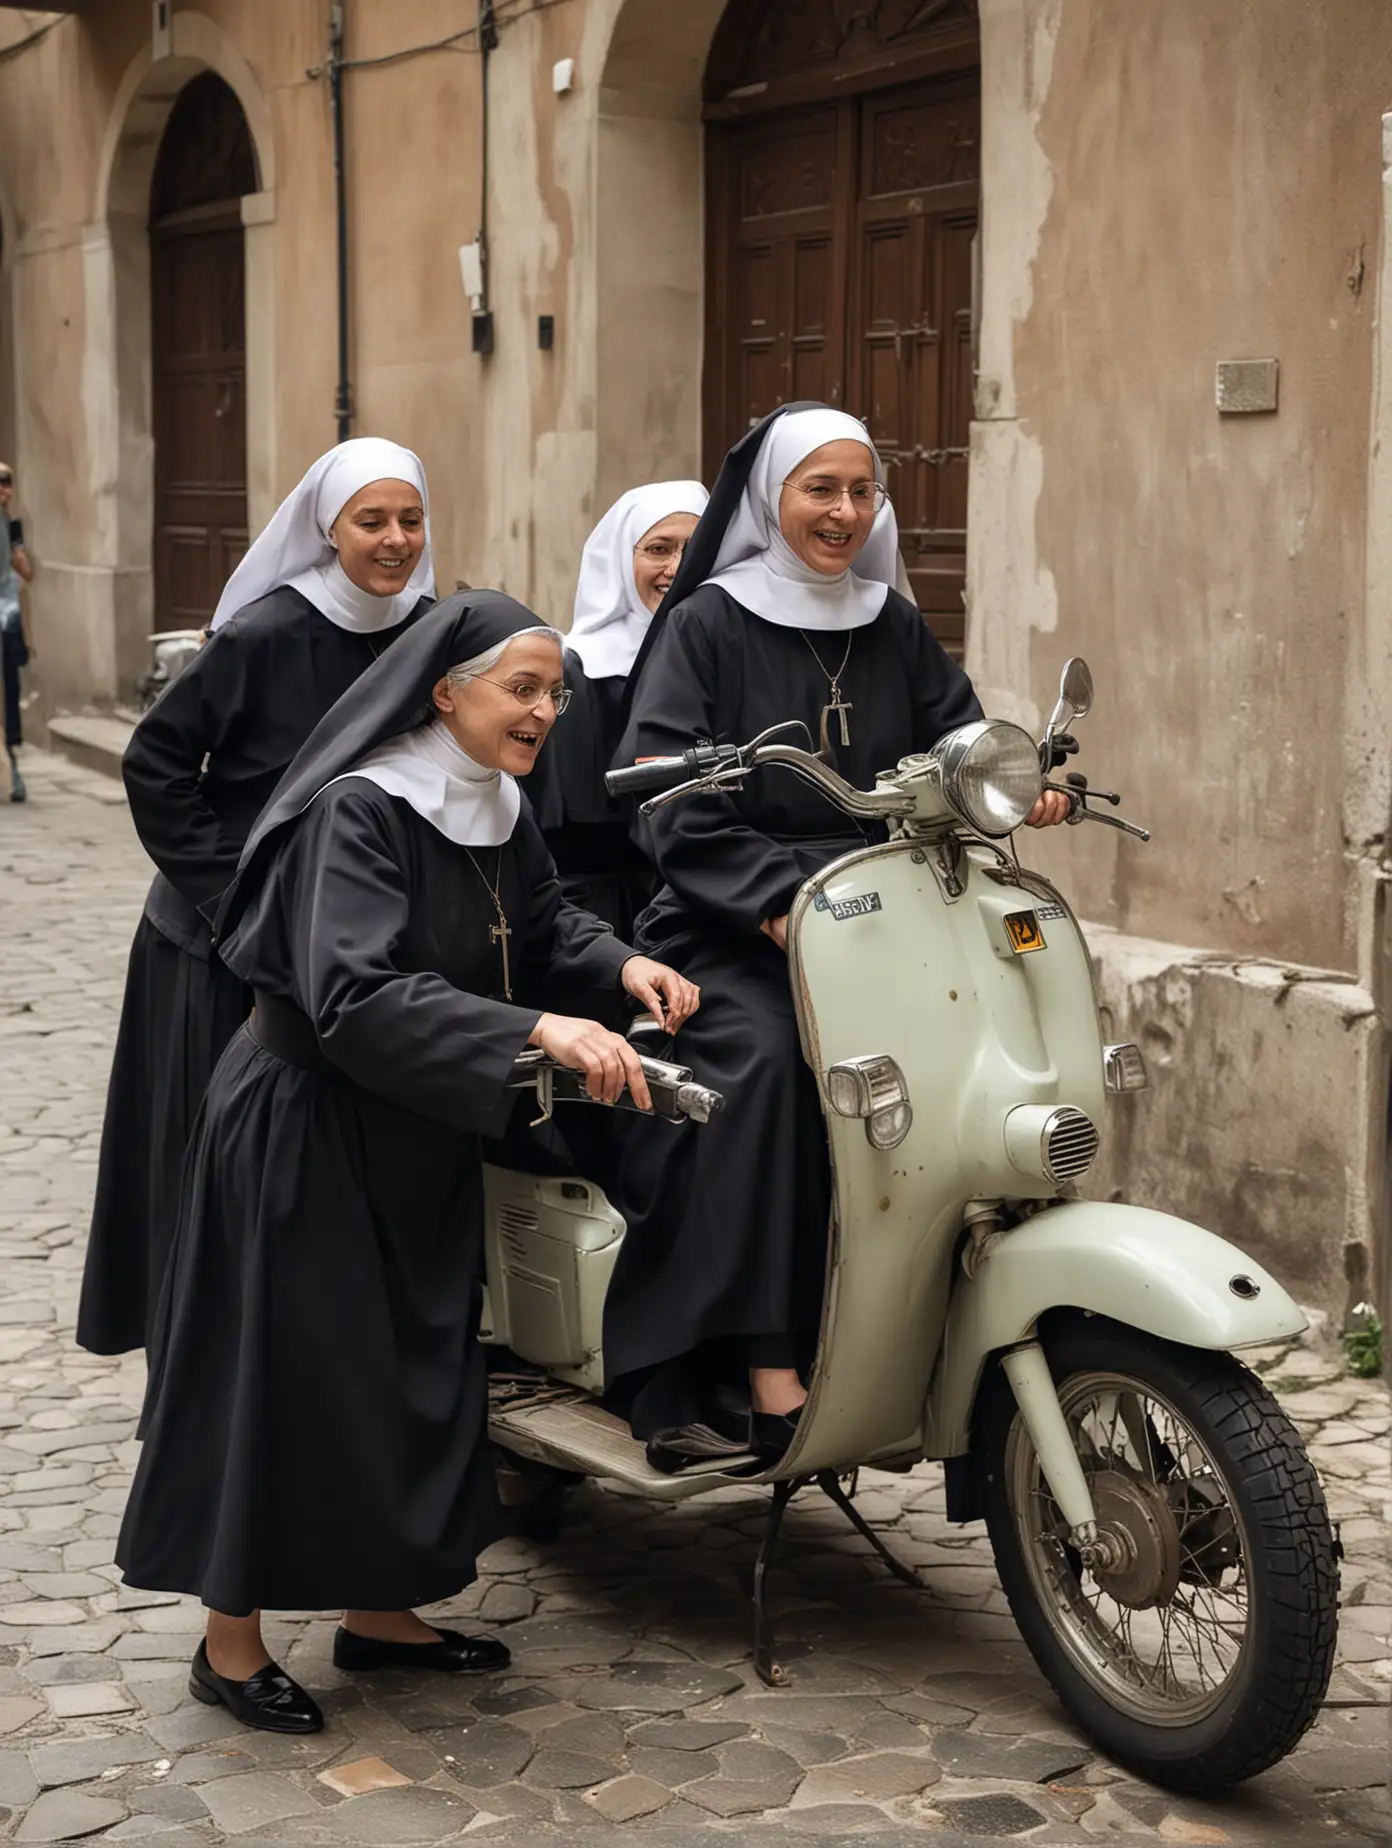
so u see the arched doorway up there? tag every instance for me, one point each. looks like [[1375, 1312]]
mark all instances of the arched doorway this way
[[843, 176], [205, 165]]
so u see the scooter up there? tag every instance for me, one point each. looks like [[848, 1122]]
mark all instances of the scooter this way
[[1157, 1526]]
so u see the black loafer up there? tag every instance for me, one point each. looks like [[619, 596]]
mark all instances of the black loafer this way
[[270, 1701], [772, 1432], [452, 1655]]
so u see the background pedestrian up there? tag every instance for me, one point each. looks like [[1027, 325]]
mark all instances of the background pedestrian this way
[[15, 569]]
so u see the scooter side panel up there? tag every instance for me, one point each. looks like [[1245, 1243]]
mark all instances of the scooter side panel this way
[[1146, 1269], [882, 963]]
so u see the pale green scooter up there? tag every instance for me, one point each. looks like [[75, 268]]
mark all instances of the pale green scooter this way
[[1157, 1525]]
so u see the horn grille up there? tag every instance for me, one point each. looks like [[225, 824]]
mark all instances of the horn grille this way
[[1070, 1143]]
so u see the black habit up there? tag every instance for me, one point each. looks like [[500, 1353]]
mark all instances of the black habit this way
[[722, 1267], [200, 767], [316, 1414]]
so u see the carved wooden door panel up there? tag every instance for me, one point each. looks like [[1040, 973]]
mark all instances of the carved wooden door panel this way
[[910, 359], [779, 262], [199, 386], [842, 209]]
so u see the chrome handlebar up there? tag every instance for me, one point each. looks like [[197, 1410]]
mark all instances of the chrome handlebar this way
[[870, 805], [676, 1097]]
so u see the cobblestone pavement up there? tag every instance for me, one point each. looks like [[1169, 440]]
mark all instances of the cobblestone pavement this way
[[632, 1715]]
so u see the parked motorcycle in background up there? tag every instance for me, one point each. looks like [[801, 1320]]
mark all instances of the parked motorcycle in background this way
[[1157, 1526]]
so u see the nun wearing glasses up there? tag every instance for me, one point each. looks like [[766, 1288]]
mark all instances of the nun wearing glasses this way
[[316, 1414], [783, 609], [340, 572], [626, 569]]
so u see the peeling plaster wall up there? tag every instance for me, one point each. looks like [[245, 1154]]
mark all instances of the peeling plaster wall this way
[[1205, 184]]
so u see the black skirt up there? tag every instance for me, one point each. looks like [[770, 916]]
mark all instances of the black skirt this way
[[179, 1012], [320, 1309]]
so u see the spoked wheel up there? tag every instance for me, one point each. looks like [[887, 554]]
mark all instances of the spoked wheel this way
[[1199, 1652]]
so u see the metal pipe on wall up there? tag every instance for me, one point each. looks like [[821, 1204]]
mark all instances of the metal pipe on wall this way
[[343, 401]]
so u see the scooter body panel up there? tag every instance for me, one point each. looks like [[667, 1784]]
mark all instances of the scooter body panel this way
[[977, 1028], [1146, 1269]]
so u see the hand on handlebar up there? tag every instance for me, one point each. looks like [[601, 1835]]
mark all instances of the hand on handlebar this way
[[667, 995], [607, 1060], [1051, 808]]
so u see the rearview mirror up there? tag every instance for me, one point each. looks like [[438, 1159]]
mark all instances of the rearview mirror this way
[[1074, 702]]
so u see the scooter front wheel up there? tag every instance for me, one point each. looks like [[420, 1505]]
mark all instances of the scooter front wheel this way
[[1200, 1653]]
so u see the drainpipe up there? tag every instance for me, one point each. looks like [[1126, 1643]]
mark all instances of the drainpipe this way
[[488, 44], [343, 402]]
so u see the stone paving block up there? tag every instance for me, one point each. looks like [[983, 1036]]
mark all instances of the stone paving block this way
[[74, 1761], [16, 1710], [67, 1815], [363, 1775], [598, 1734], [674, 1769], [994, 1815], [200, 1768], [1028, 1761], [686, 1735], [192, 1724], [389, 1817], [253, 1800], [627, 1798], [558, 1770], [877, 1777], [88, 1699], [513, 1701], [485, 1753], [174, 1801]]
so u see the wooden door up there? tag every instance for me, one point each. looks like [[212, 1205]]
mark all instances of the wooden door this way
[[199, 391], [910, 358], [842, 214]]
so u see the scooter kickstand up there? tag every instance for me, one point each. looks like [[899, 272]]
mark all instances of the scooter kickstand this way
[[830, 1485], [771, 1673]]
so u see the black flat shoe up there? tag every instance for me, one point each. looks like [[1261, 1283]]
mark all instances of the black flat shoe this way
[[772, 1432], [452, 1655], [270, 1701]]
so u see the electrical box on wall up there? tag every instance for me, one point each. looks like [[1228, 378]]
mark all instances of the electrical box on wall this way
[[1244, 386], [160, 45]]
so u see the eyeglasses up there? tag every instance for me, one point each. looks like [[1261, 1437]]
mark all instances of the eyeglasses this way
[[6, 479], [661, 551], [530, 693], [828, 494]]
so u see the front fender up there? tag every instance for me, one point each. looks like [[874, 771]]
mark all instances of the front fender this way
[[1146, 1269]]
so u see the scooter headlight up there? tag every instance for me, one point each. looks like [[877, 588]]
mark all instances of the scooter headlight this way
[[989, 775]]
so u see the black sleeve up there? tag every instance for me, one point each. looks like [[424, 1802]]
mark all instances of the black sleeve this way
[[703, 846], [16, 533], [413, 1038], [943, 696], [564, 943], [198, 712]]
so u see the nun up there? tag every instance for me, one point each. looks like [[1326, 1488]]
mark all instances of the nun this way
[[341, 571], [627, 567], [316, 1413], [783, 609]]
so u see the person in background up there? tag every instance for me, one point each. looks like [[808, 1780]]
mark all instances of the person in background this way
[[15, 569], [626, 568], [341, 571]]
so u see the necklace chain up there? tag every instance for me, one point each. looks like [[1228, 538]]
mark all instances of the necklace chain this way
[[837, 703], [501, 932]]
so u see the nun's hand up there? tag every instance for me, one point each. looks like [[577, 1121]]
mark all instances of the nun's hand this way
[[667, 995], [777, 929], [607, 1060], [1051, 808]]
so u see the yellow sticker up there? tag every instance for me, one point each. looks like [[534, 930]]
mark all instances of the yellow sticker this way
[[1022, 928]]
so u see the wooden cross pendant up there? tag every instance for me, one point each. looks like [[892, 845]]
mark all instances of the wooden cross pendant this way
[[500, 933]]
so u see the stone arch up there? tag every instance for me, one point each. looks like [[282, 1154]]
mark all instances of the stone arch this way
[[117, 292]]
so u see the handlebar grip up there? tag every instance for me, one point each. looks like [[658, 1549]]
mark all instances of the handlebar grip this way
[[639, 779]]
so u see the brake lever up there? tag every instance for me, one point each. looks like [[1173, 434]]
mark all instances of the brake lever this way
[[730, 776], [1077, 791]]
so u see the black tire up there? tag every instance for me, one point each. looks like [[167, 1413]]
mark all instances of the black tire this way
[[1274, 1690]]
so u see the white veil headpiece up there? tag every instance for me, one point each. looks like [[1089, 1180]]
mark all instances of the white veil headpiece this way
[[295, 548], [758, 567], [610, 617]]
